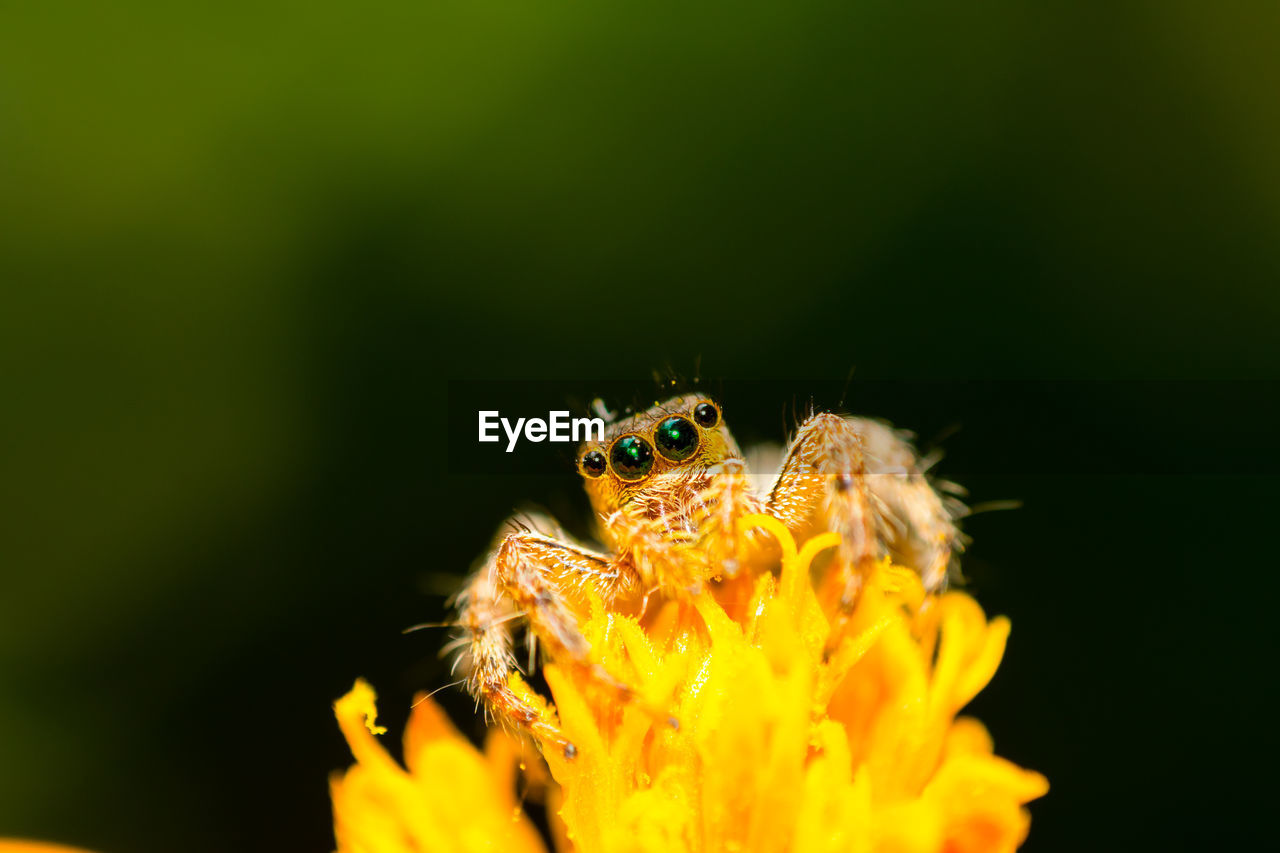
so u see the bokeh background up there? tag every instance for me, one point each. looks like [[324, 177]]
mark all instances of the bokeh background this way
[[244, 247]]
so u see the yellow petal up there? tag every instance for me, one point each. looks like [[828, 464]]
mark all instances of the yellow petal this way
[[451, 797]]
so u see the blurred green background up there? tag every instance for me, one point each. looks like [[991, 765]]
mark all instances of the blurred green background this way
[[243, 247]]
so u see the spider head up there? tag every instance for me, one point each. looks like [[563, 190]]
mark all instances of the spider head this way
[[658, 456]]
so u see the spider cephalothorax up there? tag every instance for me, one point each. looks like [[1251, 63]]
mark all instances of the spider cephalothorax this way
[[658, 465], [667, 486]]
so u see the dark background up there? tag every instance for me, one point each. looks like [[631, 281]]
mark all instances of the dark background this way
[[245, 247]]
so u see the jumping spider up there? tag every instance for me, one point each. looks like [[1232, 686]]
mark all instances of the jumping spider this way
[[668, 483]]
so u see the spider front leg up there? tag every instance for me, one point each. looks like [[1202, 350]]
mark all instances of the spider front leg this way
[[863, 480], [823, 485], [538, 577], [728, 498]]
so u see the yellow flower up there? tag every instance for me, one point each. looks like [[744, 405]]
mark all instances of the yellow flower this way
[[780, 745]]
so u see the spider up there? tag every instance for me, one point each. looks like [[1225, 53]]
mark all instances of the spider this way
[[668, 483]]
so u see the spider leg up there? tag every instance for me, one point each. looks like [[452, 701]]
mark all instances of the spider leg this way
[[864, 480], [728, 498], [543, 579], [485, 655], [919, 515], [823, 485]]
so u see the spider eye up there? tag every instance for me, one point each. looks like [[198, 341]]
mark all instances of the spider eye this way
[[632, 457], [593, 463], [706, 414], [676, 438]]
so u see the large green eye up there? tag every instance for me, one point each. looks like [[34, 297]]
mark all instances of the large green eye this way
[[632, 457], [676, 438]]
